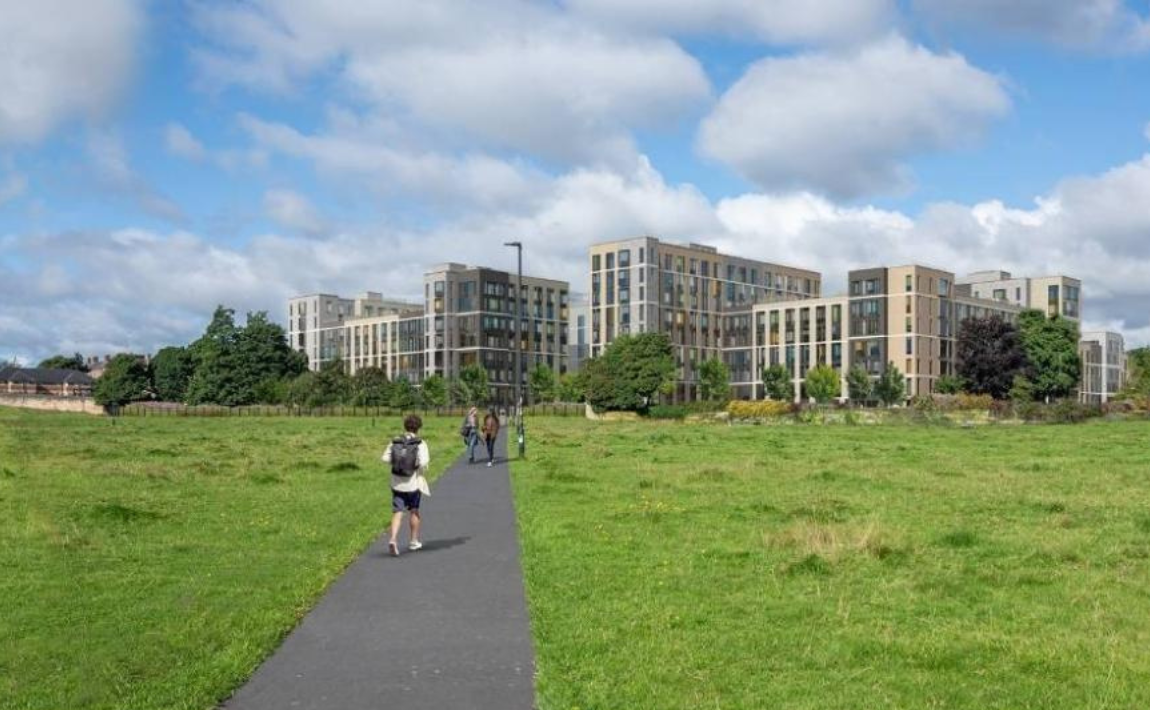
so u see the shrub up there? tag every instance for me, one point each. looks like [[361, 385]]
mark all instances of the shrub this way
[[760, 409], [974, 402], [667, 411], [1069, 411]]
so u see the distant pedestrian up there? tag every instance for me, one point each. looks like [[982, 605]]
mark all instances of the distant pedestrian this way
[[409, 458], [490, 434], [469, 430]]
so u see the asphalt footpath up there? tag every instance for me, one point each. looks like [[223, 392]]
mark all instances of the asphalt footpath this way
[[443, 628]]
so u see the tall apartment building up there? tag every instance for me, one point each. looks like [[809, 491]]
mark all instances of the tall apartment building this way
[[1103, 357], [1053, 295], [467, 317], [908, 315], [578, 332], [700, 298]]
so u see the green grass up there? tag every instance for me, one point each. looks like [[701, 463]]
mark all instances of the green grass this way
[[155, 562], [683, 566]]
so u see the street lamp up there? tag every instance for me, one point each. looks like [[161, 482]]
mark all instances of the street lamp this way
[[519, 428]]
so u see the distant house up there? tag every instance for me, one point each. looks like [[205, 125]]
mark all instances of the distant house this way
[[42, 381]]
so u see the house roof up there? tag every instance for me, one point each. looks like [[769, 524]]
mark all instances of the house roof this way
[[44, 376]]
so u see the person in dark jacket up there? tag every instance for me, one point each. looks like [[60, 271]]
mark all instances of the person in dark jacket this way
[[490, 434]]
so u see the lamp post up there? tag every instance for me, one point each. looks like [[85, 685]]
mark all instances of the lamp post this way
[[519, 428]]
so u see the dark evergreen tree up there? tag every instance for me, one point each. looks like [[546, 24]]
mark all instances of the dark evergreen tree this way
[[990, 355], [172, 369]]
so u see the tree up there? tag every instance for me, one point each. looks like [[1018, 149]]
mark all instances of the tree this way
[[860, 387], [714, 381], [434, 391], [65, 362], [458, 392], [542, 383], [950, 384], [990, 354], [403, 394], [172, 369], [890, 388], [631, 372], [1051, 347], [125, 379], [474, 379], [823, 383], [370, 388], [1022, 389], [231, 363], [777, 383], [571, 387], [1137, 374]]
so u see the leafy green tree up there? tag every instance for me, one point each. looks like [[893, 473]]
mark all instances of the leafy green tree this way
[[777, 383], [571, 387], [860, 387], [823, 383], [65, 362], [714, 381], [950, 384], [434, 391], [1137, 374], [403, 394], [990, 354], [631, 372], [1051, 347], [370, 388], [542, 383], [231, 362], [172, 370], [1022, 389], [890, 388], [125, 380], [459, 393], [474, 378]]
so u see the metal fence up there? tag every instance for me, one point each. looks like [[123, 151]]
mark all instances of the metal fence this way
[[163, 409]]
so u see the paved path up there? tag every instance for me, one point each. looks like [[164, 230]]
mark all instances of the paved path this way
[[444, 628]]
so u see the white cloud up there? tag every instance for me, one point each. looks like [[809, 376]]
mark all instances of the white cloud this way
[[507, 75], [844, 123], [180, 142], [60, 59], [775, 21], [294, 212], [113, 172], [1106, 24]]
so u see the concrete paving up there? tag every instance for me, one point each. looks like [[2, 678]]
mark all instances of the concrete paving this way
[[444, 628]]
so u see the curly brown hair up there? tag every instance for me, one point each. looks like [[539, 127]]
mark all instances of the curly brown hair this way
[[413, 423]]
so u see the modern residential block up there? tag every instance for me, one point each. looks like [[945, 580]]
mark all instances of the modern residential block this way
[[700, 298], [1053, 295], [467, 317], [908, 315], [1103, 357]]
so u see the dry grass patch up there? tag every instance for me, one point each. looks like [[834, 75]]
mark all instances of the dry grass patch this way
[[835, 542]]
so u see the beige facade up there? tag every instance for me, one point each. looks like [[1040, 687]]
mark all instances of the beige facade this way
[[1053, 295], [906, 315], [467, 317], [700, 298], [1103, 356]]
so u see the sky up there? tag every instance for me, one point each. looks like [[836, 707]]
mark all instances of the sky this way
[[160, 158]]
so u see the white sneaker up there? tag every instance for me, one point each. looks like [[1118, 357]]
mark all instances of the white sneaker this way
[[393, 549], [414, 545], [488, 464]]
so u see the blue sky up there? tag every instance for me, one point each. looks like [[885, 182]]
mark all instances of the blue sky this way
[[159, 158]]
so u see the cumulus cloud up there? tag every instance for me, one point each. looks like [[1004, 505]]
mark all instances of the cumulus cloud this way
[[507, 75], [114, 173], [61, 59], [180, 142], [293, 211], [774, 21], [118, 290], [1108, 24], [844, 122]]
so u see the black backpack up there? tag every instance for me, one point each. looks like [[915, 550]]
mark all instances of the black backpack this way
[[405, 457]]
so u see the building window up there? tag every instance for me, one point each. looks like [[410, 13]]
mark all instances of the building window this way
[[909, 347], [1000, 294], [595, 262], [624, 258], [909, 283], [610, 260]]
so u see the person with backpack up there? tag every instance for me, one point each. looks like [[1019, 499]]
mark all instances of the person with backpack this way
[[469, 430], [409, 458], [490, 434]]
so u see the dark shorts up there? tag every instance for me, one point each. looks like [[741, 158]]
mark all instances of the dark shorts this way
[[405, 500]]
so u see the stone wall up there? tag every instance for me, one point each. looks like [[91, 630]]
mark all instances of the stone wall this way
[[83, 405]]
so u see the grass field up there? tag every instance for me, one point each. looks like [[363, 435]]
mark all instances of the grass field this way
[[152, 564], [671, 566]]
